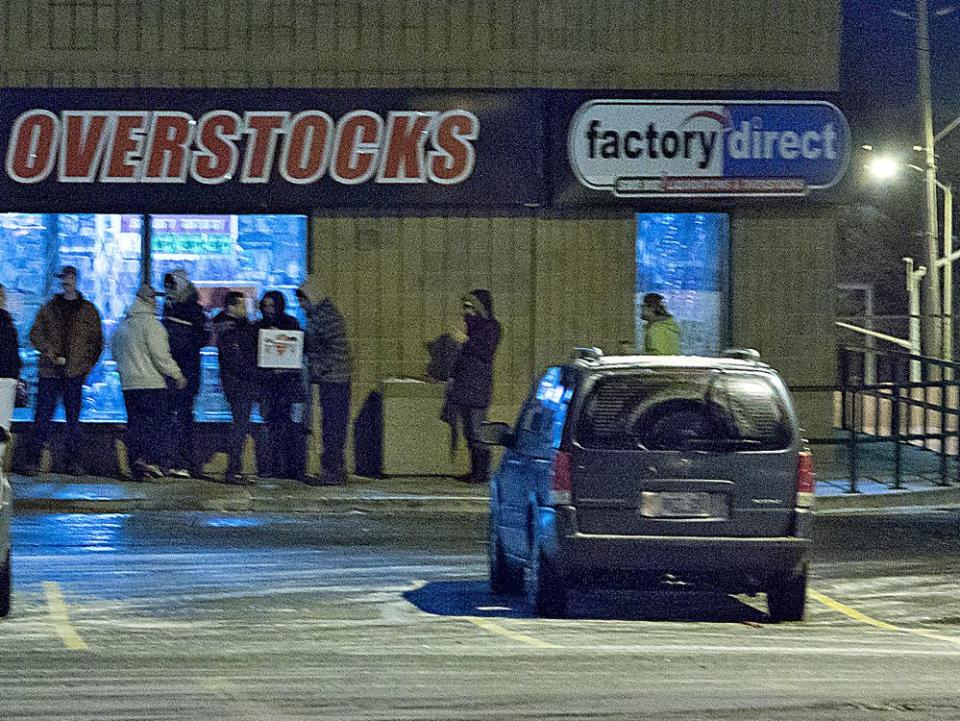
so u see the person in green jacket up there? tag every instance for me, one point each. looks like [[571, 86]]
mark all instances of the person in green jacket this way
[[662, 335]]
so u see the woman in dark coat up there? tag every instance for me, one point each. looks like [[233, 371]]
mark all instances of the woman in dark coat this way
[[10, 364], [470, 389], [281, 390]]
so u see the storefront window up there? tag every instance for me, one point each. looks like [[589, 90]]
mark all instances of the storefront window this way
[[684, 257], [249, 253], [106, 252]]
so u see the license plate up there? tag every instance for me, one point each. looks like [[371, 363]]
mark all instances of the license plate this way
[[679, 504]]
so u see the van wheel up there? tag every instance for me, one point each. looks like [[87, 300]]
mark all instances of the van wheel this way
[[505, 578], [5, 587], [787, 597], [546, 593]]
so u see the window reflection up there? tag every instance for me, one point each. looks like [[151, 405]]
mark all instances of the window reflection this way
[[248, 253], [683, 257], [251, 253], [107, 255]]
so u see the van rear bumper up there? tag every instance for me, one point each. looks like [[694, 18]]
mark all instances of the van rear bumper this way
[[715, 556]]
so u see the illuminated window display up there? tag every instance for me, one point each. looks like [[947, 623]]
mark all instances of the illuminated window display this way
[[684, 257], [251, 253]]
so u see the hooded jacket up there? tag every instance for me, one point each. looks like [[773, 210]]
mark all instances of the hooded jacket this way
[[285, 382], [662, 337], [141, 350], [74, 333], [187, 327], [326, 346], [10, 363], [472, 381]]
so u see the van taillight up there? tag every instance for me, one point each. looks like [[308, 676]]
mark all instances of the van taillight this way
[[561, 479], [806, 479]]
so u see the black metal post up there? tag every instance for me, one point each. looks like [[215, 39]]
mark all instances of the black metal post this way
[[895, 430]]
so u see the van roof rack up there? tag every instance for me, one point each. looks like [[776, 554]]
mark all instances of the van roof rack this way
[[585, 353], [745, 354]]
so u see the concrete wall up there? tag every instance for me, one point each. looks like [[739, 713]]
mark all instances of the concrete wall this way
[[689, 44]]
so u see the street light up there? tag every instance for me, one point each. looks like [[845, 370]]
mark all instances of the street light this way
[[885, 167]]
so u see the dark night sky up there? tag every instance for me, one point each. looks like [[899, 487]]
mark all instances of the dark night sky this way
[[879, 88]]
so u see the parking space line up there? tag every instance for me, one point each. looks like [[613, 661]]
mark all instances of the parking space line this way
[[59, 614], [863, 618], [487, 625]]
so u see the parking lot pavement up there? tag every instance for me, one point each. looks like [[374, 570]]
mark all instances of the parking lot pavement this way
[[205, 615]]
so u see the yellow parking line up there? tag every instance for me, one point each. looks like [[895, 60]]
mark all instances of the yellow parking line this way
[[863, 618], [57, 609], [488, 625]]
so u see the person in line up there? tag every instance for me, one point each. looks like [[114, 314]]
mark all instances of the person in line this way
[[141, 349], [662, 334], [470, 389], [329, 364], [281, 391], [237, 351], [10, 363], [68, 333], [188, 329]]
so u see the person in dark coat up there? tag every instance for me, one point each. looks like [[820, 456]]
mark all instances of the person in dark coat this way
[[68, 334], [10, 363], [237, 350], [329, 365], [470, 389], [280, 390], [188, 329]]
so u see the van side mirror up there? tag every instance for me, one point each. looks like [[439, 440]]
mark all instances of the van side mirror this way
[[496, 434]]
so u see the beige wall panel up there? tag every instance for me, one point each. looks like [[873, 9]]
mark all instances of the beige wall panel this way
[[584, 286], [783, 44], [782, 300], [398, 282]]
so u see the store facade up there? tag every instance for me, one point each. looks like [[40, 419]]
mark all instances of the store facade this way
[[401, 188], [130, 186]]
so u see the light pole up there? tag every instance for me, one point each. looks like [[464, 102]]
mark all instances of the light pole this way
[[884, 168], [932, 337]]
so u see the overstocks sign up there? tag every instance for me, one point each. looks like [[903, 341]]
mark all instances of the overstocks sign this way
[[636, 148], [231, 150]]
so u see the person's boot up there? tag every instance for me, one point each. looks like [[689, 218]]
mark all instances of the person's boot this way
[[479, 465]]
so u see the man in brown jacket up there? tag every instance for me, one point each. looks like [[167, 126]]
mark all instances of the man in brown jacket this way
[[69, 335]]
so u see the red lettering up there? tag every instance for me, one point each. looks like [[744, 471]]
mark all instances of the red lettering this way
[[126, 148], [84, 139], [358, 146], [403, 156], [217, 156], [307, 150], [454, 157], [166, 153], [263, 128], [30, 152]]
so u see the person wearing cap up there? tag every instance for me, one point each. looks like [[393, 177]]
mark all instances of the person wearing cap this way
[[188, 330], [662, 334], [68, 333], [141, 349], [329, 364], [470, 388]]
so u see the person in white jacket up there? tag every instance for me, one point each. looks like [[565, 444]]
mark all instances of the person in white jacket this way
[[141, 350]]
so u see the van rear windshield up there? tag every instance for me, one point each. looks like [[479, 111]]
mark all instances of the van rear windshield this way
[[684, 410]]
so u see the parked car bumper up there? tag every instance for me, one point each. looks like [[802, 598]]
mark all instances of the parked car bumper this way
[[582, 555]]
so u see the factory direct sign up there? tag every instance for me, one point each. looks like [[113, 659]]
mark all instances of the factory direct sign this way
[[635, 148]]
